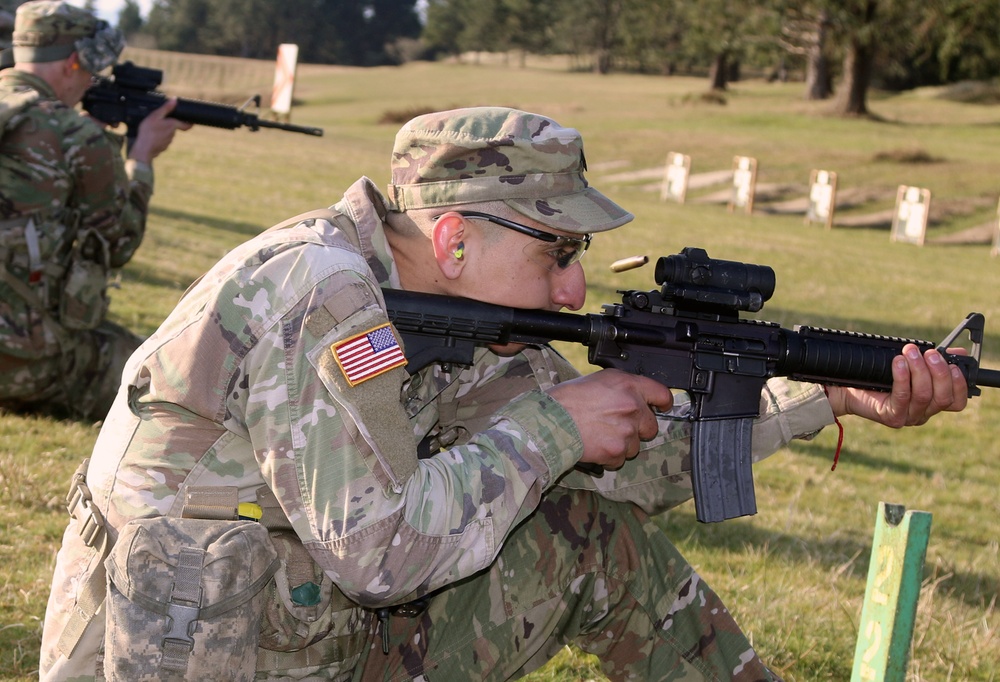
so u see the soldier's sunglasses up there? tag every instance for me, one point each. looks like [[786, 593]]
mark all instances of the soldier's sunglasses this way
[[564, 251]]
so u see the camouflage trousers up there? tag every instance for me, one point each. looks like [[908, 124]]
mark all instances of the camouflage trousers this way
[[584, 570], [81, 382]]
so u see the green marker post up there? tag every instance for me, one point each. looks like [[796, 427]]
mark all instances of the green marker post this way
[[890, 607]]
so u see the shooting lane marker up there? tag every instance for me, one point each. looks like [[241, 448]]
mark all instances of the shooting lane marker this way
[[890, 607], [283, 90]]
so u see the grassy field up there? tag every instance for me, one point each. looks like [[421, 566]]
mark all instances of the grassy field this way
[[795, 573]]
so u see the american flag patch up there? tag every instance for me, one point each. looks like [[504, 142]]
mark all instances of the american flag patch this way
[[368, 354]]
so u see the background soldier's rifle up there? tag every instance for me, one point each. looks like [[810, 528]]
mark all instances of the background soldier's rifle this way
[[687, 335], [130, 95]]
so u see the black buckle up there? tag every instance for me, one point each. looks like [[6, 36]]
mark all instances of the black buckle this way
[[411, 609]]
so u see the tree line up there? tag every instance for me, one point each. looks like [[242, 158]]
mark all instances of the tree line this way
[[851, 43], [840, 48]]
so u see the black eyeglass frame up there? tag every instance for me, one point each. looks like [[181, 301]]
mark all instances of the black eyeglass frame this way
[[583, 241]]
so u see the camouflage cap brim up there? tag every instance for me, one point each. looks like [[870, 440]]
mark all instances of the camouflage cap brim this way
[[580, 212], [102, 49]]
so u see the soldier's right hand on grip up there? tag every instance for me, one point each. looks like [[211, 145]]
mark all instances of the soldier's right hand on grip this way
[[613, 413]]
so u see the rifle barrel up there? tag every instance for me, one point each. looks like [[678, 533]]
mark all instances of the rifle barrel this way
[[988, 377], [306, 130]]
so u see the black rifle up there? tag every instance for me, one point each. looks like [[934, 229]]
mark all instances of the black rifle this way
[[130, 95], [687, 335]]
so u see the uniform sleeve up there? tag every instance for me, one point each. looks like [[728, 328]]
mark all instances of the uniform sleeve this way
[[340, 455], [139, 179], [789, 410], [112, 198]]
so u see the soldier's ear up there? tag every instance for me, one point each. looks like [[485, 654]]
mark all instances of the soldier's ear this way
[[448, 237]]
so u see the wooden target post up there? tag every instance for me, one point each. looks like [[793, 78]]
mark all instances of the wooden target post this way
[[909, 221], [995, 251], [822, 197], [744, 184], [675, 177]]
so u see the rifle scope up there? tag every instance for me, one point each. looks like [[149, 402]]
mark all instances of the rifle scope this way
[[691, 275], [128, 75]]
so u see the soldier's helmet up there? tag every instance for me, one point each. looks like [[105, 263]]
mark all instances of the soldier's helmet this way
[[50, 30]]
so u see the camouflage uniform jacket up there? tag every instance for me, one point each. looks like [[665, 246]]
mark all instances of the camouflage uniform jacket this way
[[243, 386], [65, 173]]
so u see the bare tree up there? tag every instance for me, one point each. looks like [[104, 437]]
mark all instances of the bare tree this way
[[819, 78], [874, 34], [805, 32]]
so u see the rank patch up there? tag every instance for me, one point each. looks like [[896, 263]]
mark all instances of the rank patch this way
[[368, 354]]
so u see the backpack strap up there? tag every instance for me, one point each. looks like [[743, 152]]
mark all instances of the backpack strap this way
[[92, 529]]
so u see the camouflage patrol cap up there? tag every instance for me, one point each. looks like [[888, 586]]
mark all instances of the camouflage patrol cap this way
[[50, 30], [481, 154]]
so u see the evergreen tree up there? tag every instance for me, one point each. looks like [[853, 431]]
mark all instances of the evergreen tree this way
[[327, 31], [130, 18]]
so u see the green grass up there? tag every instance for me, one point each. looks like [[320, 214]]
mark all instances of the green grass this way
[[795, 573]]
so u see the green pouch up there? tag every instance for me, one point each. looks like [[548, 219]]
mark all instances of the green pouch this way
[[304, 609]]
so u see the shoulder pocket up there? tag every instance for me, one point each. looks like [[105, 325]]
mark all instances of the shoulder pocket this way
[[360, 360]]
